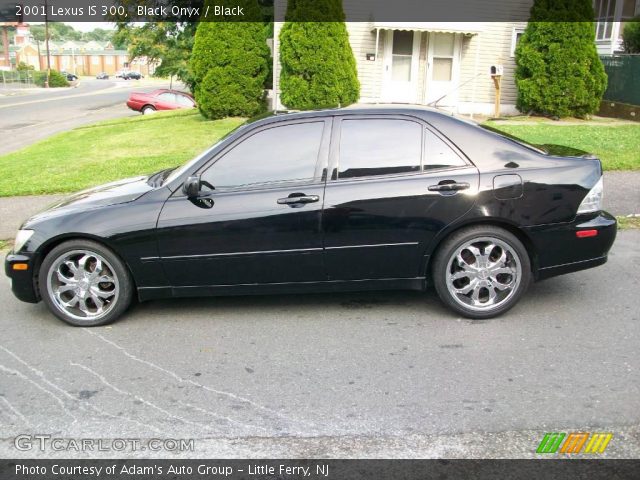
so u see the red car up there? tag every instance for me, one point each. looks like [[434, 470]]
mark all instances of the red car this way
[[159, 100]]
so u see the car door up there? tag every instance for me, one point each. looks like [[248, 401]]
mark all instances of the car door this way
[[395, 184], [262, 222]]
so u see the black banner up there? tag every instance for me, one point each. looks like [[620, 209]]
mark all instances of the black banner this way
[[318, 469], [316, 10]]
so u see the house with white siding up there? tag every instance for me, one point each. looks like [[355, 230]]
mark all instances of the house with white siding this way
[[427, 62], [450, 62], [611, 16]]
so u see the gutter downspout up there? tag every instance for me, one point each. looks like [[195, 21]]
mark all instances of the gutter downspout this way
[[276, 54], [475, 80], [377, 46]]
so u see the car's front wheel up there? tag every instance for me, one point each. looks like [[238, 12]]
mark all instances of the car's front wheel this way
[[85, 284], [148, 110], [481, 271]]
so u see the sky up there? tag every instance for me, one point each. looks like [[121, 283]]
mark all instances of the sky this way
[[85, 26], [89, 26]]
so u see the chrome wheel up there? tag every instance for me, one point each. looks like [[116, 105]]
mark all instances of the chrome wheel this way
[[82, 285], [483, 273]]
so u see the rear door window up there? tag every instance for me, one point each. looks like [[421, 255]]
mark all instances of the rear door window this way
[[438, 154], [371, 147]]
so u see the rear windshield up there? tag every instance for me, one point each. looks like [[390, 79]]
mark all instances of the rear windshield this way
[[546, 149], [518, 140]]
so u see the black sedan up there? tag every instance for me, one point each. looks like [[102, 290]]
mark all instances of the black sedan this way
[[132, 76], [71, 77], [352, 199]]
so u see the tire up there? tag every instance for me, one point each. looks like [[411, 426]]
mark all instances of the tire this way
[[85, 284], [481, 271], [147, 110]]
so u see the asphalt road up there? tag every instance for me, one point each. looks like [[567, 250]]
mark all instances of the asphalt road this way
[[27, 118], [348, 375]]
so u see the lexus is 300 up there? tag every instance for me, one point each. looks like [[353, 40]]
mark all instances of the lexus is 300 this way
[[352, 199]]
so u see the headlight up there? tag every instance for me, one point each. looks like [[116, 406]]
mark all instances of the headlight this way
[[593, 201], [22, 237]]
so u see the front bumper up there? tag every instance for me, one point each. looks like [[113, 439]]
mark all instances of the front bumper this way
[[22, 281], [559, 250]]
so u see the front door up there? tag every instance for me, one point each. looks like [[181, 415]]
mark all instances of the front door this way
[[401, 51], [261, 223], [443, 68], [383, 204]]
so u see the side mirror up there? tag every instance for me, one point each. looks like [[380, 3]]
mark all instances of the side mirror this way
[[191, 187]]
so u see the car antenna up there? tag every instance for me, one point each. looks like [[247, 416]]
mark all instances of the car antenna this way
[[434, 104]]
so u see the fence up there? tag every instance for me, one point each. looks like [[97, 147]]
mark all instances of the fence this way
[[624, 78], [10, 79]]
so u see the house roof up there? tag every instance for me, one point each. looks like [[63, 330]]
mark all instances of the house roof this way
[[468, 28]]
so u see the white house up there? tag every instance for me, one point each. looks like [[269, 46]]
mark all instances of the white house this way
[[611, 16], [425, 62], [450, 62]]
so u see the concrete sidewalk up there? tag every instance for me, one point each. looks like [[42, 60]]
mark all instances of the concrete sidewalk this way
[[621, 197]]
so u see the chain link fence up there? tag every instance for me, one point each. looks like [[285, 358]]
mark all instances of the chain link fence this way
[[624, 78], [14, 79]]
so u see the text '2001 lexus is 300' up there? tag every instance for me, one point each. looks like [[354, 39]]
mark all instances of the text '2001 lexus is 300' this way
[[351, 199]]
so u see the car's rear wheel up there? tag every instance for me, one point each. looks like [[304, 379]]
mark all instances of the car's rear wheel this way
[[481, 271], [85, 284], [148, 109]]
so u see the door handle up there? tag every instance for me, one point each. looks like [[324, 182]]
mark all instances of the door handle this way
[[298, 199], [449, 186]]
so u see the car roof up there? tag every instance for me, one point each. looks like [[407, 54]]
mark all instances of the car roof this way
[[372, 109]]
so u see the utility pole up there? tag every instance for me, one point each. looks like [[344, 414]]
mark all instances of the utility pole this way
[[46, 39]]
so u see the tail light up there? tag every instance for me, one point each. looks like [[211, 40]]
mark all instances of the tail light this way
[[593, 201]]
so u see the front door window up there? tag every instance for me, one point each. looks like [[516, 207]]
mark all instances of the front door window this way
[[402, 56], [442, 63], [401, 66]]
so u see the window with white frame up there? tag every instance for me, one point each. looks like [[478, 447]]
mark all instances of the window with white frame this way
[[95, 60], [515, 38], [109, 59], [443, 50], [605, 10]]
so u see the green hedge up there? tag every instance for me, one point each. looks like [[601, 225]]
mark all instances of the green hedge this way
[[56, 79], [229, 64], [558, 70], [318, 66]]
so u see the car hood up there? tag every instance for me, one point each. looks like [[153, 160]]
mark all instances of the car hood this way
[[121, 191]]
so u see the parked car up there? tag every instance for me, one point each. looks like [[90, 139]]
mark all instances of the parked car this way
[[163, 99], [132, 76], [102, 76], [351, 199], [71, 77], [120, 74]]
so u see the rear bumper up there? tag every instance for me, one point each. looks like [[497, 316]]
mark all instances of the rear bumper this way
[[22, 282], [559, 250]]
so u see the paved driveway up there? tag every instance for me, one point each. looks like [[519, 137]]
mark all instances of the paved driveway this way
[[367, 374]]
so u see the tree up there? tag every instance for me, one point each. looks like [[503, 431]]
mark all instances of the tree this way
[[558, 70], [167, 44], [229, 64], [318, 66], [631, 36]]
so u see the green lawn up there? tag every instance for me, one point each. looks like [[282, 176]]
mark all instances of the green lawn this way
[[107, 151], [618, 146]]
